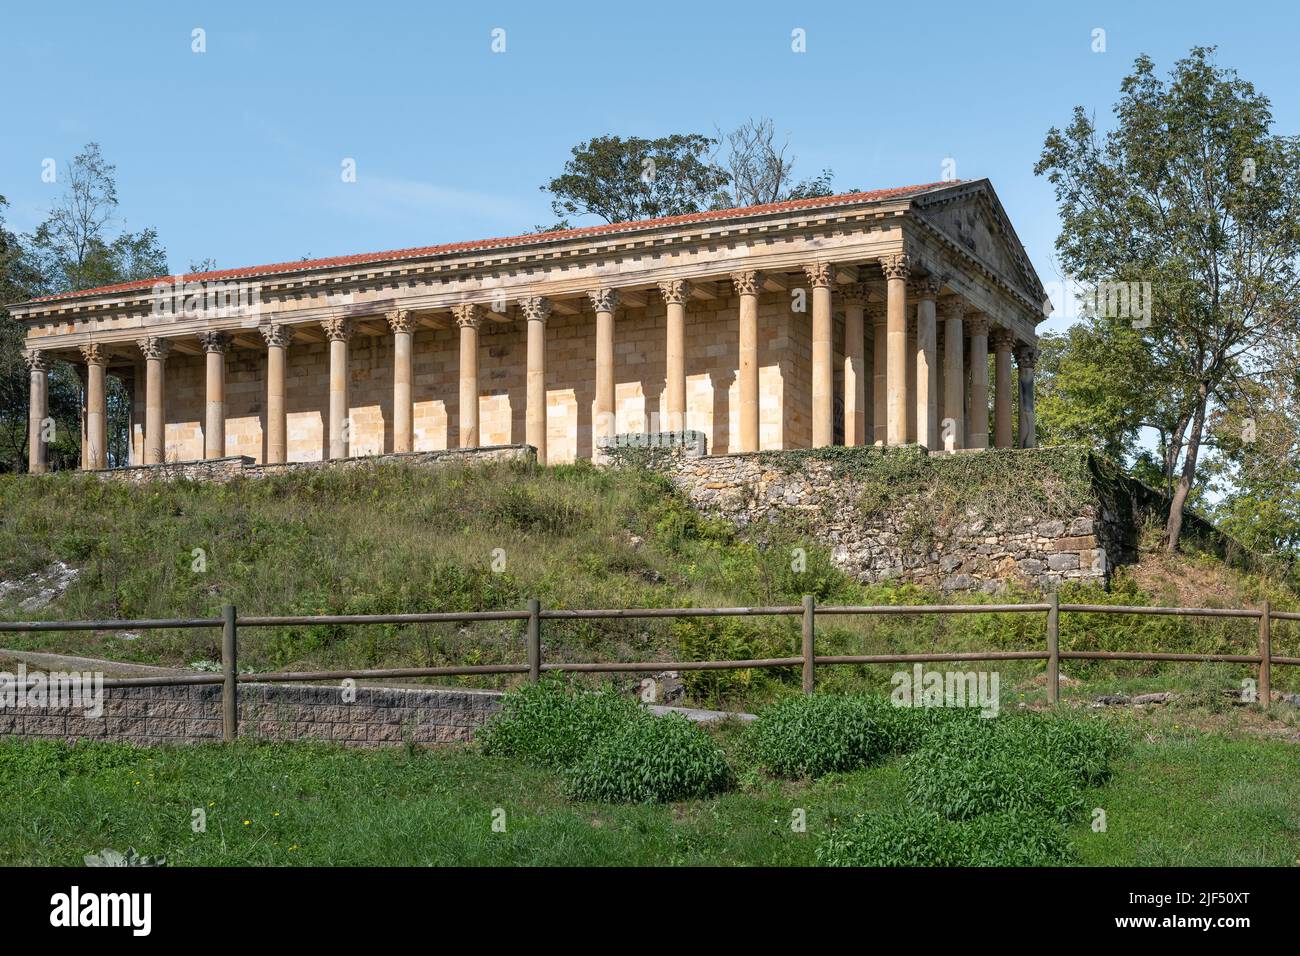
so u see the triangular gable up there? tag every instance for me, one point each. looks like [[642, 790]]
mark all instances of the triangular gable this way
[[972, 217]]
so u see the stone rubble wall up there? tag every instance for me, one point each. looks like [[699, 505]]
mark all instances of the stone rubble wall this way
[[154, 716], [221, 470], [972, 554]]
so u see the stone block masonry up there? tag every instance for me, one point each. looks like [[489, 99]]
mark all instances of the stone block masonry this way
[[379, 716], [897, 515]]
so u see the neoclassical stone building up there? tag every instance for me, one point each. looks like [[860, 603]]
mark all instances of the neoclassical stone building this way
[[848, 319]]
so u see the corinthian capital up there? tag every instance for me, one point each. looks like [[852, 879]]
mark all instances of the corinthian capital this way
[[337, 330], [952, 308], [1001, 338], [276, 335], [746, 282], [854, 293], [603, 300], [820, 274], [896, 266], [399, 320], [467, 315], [214, 341], [36, 360], [154, 347], [536, 308], [977, 323], [675, 291], [1026, 355], [927, 287]]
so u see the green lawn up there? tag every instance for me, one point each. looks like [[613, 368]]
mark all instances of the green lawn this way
[[1178, 799]]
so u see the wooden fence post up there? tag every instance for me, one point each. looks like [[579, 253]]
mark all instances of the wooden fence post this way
[[1266, 655], [230, 668], [809, 605], [1054, 648], [534, 640]]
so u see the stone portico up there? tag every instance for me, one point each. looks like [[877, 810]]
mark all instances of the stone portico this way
[[855, 319]]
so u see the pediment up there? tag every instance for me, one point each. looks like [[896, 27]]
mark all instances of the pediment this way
[[972, 217]]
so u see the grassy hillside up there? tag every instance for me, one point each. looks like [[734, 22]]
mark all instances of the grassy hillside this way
[[391, 538]]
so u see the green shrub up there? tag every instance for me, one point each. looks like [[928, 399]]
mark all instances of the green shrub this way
[[811, 735], [652, 760], [1020, 764], [1084, 748], [908, 727], [721, 639], [553, 725], [815, 734], [915, 837], [965, 769]]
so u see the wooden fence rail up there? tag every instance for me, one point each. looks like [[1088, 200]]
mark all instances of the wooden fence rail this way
[[808, 660]]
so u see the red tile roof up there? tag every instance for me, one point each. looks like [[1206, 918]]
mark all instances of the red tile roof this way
[[422, 252]]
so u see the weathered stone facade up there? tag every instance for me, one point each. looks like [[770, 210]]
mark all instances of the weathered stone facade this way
[[893, 540], [153, 716]]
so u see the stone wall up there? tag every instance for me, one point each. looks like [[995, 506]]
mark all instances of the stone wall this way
[[896, 536], [713, 407], [241, 466], [152, 716]]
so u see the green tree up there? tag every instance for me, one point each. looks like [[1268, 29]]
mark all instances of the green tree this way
[[75, 247], [1257, 471], [621, 180], [1190, 192]]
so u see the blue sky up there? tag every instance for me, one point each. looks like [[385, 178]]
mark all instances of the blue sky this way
[[236, 153]]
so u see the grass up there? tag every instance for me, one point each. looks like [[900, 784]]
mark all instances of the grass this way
[[1176, 798], [393, 538]]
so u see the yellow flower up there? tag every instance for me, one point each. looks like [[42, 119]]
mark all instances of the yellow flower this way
[[276, 814], [247, 822]]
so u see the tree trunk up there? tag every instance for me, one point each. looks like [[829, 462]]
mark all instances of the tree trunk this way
[[1174, 526], [1173, 450]]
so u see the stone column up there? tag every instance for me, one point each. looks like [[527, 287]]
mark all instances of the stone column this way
[[467, 319], [978, 328], [38, 410], [339, 331], [215, 345], [747, 288], [880, 373], [674, 293], [536, 309], [605, 412], [1002, 341], [954, 375], [277, 353], [927, 370], [96, 455], [897, 267], [823, 372], [1026, 359], [81, 412], [155, 349], [854, 297], [399, 321]]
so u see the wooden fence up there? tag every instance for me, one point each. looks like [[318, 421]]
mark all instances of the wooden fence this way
[[808, 660]]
